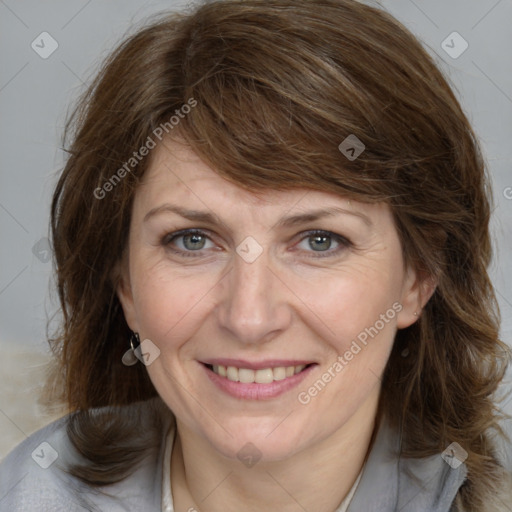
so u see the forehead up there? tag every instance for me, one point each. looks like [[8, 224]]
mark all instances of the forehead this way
[[176, 170], [177, 174]]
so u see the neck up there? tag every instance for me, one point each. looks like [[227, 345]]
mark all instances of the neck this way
[[317, 478]]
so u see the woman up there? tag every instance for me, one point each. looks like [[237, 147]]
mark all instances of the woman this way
[[271, 239]]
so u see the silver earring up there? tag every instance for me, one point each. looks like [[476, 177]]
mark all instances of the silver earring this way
[[129, 358], [415, 313]]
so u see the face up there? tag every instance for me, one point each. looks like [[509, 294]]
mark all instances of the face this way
[[264, 289]]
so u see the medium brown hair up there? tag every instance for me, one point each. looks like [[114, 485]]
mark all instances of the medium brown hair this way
[[278, 85]]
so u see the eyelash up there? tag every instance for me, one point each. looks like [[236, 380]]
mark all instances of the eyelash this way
[[344, 242]]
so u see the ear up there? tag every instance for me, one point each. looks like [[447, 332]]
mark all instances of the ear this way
[[416, 292], [122, 285]]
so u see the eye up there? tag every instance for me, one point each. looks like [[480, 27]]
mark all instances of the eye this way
[[188, 241], [321, 241]]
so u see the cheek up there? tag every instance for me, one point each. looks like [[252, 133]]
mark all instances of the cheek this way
[[347, 304], [167, 303], [165, 314]]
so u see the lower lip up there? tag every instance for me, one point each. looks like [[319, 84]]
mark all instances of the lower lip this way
[[254, 390]]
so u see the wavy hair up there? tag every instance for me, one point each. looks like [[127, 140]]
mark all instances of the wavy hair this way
[[279, 84]]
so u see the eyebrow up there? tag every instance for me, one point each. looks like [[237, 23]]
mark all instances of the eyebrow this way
[[290, 221]]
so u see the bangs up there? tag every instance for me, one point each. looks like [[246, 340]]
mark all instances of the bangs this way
[[274, 102]]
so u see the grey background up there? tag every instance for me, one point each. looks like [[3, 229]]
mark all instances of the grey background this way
[[35, 94]]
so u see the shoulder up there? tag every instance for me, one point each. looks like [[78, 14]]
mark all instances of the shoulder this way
[[496, 497], [500, 499], [35, 475], [392, 481]]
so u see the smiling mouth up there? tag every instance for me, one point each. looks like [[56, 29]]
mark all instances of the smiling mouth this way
[[261, 376]]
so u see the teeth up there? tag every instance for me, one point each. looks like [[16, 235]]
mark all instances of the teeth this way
[[232, 373], [245, 376], [279, 373], [263, 376]]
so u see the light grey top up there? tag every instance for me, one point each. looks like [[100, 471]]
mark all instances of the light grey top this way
[[33, 477]]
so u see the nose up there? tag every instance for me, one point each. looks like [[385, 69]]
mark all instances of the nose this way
[[253, 307]]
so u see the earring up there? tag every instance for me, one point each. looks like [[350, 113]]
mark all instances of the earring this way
[[129, 358], [415, 313]]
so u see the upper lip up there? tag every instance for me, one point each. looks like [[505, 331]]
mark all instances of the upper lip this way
[[256, 365]]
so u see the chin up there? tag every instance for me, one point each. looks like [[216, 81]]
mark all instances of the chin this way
[[257, 438]]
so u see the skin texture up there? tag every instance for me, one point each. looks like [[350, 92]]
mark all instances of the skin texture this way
[[287, 304]]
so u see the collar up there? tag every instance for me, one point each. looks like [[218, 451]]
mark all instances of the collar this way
[[387, 483], [392, 483]]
